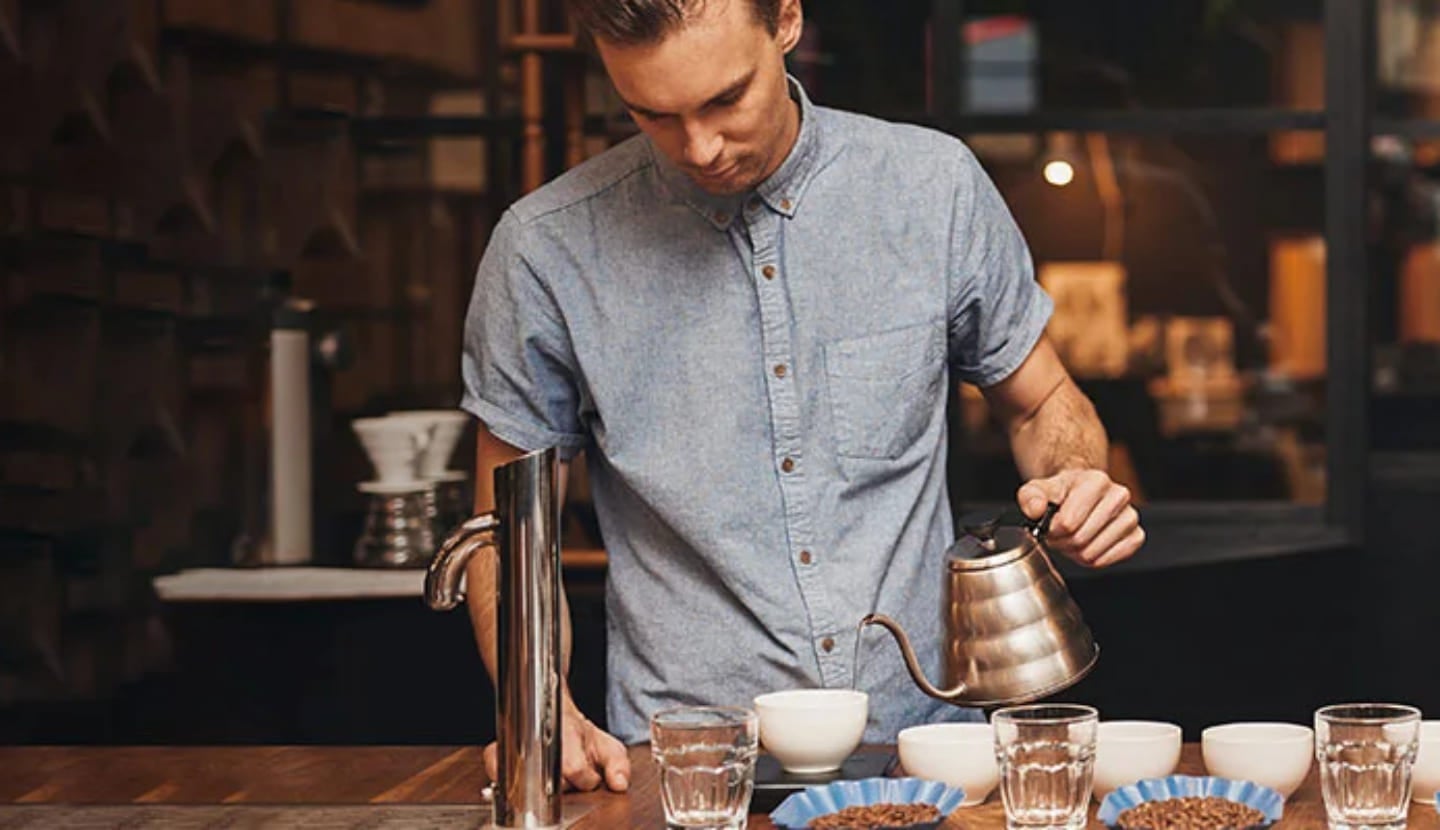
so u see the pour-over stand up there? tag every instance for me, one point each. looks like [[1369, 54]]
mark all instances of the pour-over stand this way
[[399, 529]]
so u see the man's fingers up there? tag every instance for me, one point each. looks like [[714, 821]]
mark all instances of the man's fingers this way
[[611, 756], [1126, 549], [578, 770], [1084, 493], [1121, 530], [576, 765], [1113, 501], [589, 757]]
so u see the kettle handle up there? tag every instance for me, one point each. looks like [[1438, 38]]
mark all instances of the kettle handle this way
[[983, 526], [1041, 526]]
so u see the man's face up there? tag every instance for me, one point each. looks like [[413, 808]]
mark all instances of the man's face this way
[[712, 94]]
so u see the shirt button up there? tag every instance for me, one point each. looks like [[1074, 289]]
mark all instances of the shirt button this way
[[768, 271], [784, 204], [722, 218], [828, 644], [805, 557], [754, 204], [780, 370], [787, 465]]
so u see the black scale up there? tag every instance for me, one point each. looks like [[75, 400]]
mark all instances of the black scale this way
[[773, 784]]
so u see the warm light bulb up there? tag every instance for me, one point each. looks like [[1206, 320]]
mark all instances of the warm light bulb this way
[[1059, 173]]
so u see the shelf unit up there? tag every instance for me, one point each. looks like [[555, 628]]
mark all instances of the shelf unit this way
[[181, 162]]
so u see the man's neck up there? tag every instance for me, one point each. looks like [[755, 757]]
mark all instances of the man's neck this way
[[791, 136]]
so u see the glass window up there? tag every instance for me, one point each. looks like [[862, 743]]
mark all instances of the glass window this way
[[1407, 59], [1188, 274], [1405, 322]]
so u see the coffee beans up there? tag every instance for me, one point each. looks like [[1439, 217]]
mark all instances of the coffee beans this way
[[1190, 813], [870, 816]]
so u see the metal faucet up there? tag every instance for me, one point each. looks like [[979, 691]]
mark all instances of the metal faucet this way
[[524, 531]]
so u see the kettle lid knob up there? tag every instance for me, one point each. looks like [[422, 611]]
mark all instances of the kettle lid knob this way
[[986, 533]]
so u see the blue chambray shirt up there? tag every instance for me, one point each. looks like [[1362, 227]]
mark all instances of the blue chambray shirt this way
[[759, 383]]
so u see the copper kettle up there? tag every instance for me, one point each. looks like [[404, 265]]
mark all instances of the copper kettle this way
[[1013, 633]]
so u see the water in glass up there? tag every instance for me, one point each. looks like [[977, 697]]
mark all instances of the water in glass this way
[[706, 759], [1365, 784], [1365, 753], [1047, 764], [1047, 784]]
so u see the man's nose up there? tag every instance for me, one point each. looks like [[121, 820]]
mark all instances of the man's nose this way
[[702, 145]]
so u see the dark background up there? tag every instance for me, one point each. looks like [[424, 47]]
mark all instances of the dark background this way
[[172, 170]]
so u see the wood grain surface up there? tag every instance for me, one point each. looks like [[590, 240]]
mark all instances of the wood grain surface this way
[[403, 775]]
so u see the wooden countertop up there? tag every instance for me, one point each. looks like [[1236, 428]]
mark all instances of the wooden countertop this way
[[381, 776]]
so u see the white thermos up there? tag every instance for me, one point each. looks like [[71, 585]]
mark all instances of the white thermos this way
[[291, 507]]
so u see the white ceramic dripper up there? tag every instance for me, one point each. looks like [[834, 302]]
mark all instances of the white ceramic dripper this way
[[394, 446], [444, 427]]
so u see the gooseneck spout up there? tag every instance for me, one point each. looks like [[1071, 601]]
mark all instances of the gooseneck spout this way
[[955, 695], [443, 589]]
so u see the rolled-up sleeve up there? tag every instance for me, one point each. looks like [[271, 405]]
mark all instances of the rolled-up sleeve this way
[[518, 365], [997, 309]]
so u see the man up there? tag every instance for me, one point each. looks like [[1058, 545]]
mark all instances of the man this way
[[749, 318]]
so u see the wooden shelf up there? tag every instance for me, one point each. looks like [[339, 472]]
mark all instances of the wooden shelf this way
[[316, 584], [1212, 120]]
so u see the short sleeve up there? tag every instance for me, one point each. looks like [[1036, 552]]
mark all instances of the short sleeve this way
[[518, 365], [997, 309]]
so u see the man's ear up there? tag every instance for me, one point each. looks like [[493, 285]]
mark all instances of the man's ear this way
[[789, 25]]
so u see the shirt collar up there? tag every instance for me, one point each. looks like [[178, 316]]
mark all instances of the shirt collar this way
[[782, 191]]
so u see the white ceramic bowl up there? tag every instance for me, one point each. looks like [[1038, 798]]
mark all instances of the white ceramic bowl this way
[[1426, 772], [1277, 755], [955, 754], [1127, 751], [812, 730]]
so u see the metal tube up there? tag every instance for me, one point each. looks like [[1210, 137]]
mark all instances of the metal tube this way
[[527, 706]]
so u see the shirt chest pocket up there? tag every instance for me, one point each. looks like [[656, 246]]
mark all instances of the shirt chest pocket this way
[[884, 388]]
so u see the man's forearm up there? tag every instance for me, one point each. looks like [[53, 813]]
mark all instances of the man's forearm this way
[[481, 572], [480, 591], [1063, 433]]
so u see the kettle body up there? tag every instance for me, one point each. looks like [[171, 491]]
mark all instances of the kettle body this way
[[1013, 633]]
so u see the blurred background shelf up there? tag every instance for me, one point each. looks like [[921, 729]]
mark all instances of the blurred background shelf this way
[[1244, 255]]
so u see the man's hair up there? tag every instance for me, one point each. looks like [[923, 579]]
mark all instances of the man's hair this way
[[633, 22]]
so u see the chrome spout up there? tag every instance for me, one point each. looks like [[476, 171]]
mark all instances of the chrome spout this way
[[955, 695], [524, 530], [443, 579]]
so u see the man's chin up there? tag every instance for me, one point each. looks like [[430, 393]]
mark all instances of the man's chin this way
[[728, 185]]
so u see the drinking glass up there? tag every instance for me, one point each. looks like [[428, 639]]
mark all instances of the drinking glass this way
[[1046, 754], [1365, 753], [706, 759]]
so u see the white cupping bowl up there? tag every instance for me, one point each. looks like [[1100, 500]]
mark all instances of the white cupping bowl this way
[[812, 730], [956, 754], [1277, 755], [1127, 751], [1425, 780]]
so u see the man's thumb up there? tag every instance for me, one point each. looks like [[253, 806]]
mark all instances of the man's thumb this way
[[1034, 496]]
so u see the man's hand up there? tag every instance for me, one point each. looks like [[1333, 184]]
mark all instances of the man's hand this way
[[1095, 525], [589, 755]]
